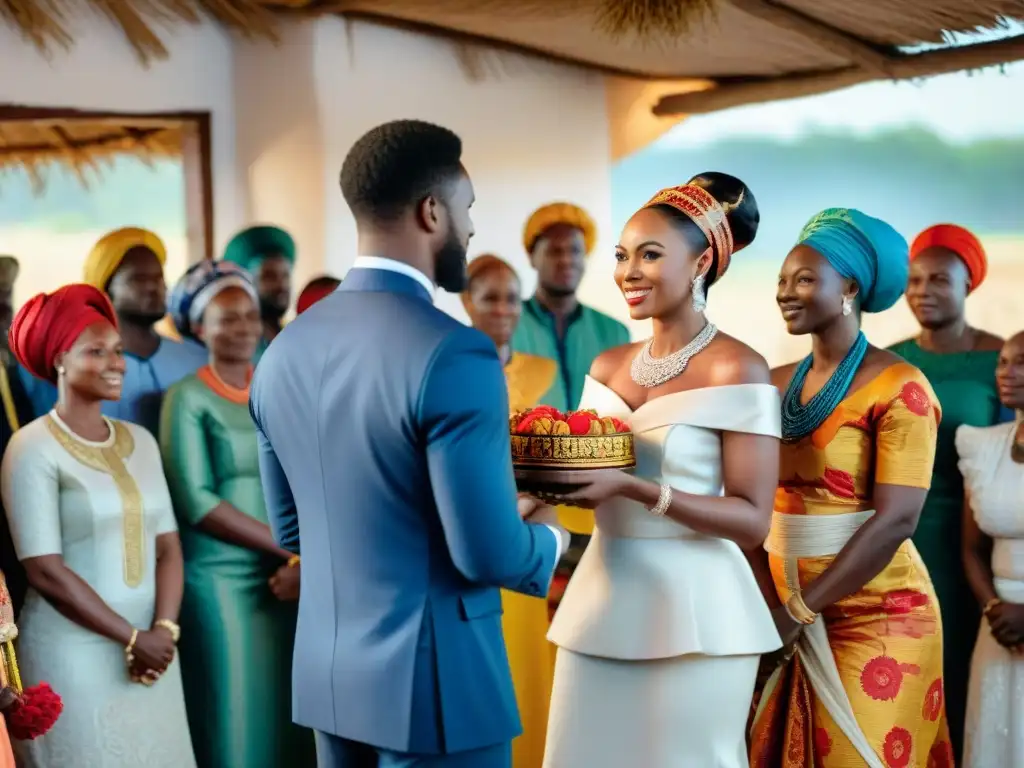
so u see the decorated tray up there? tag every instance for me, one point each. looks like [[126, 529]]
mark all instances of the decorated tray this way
[[552, 451]]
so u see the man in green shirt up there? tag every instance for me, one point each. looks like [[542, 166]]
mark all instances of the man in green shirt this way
[[558, 238]]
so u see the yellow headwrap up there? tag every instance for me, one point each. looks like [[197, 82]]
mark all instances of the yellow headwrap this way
[[106, 256], [559, 213]]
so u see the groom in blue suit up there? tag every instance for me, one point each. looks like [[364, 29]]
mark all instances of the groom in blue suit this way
[[384, 439]]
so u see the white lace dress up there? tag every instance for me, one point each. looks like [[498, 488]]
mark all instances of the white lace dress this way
[[101, 506], [994, 730], [661, 629]]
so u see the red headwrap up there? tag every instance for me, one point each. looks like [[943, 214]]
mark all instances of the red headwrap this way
[[961, 242], [312, 293], [50, 323]]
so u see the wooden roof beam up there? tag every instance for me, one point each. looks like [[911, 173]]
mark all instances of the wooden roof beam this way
[[735, 92], [828, 38]]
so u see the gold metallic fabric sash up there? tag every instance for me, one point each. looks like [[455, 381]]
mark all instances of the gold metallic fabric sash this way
[[110, 460]]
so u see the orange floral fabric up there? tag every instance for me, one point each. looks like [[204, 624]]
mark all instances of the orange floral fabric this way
[[886, 637]]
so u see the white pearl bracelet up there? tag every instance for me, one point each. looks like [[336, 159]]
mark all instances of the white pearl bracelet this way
[[664, 501]]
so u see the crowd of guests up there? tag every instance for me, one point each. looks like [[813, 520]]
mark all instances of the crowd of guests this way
[[137, 525], [902, 618]]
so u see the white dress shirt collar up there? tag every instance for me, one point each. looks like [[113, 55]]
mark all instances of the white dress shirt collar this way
[[390, 265]]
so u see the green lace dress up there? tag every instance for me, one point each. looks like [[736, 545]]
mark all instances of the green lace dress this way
[[236, 637], [965, 385]]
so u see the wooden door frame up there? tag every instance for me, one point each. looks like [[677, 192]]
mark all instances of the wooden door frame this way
[[202, 120]]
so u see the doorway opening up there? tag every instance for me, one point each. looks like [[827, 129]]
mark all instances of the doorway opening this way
[[69, 176]]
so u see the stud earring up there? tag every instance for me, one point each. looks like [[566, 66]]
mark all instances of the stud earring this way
[[847, 305], [697, 295]]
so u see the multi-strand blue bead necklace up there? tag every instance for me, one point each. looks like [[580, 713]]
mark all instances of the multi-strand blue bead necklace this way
[[798, 420]]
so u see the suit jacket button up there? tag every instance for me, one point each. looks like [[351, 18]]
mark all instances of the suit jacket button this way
[[534, 588]]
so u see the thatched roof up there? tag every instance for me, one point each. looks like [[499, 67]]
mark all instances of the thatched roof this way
[[83, 145], [752, 50]]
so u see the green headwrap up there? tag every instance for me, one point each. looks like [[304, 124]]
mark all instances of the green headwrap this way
[[250, 246]]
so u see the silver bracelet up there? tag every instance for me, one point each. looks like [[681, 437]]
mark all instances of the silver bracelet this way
[[664, 501]]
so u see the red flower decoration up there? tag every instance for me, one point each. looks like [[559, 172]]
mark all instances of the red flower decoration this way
[[903, 601], [897, 747], [839, 482], [881, 678], [915, 398], [941, 755], [579, 422], [620, 425], [934, 698], [35, 713], [548, 410]]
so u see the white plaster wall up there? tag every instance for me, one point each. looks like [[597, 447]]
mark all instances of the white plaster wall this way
[[284, 117], [533, 132], [101, 72]]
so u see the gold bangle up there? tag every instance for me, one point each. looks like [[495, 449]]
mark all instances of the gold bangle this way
[[170, 626], [798, 609], [990, 605], [129, 656], [293, 561]]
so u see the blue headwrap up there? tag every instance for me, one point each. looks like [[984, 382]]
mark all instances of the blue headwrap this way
[[199, 285], [863, 249]]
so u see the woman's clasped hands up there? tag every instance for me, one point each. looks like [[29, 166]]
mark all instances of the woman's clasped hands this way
[[1007, 623], [149, 654]]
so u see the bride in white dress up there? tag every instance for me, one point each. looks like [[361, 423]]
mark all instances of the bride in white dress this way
[[661, 629]]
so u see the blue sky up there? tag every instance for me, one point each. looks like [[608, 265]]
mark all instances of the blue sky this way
[[960, 108]]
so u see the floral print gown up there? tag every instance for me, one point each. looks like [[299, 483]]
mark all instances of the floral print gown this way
[[887, 636]]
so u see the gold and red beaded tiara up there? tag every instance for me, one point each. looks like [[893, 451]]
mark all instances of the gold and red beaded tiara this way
[[700, 206]]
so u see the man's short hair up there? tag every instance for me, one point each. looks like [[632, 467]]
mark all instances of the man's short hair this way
[[396, 165]]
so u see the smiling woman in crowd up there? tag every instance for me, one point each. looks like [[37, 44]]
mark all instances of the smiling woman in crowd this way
[[848, 589], [992, 462], [493, 300], [92, 523], [239, 610], [947, 264]]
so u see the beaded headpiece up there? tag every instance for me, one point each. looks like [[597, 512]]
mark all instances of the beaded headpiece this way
[[700, 206]]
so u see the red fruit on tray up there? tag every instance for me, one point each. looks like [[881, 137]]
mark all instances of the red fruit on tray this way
[[580, 421]]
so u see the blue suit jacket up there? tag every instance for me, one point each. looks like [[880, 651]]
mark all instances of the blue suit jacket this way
[[383, 427]]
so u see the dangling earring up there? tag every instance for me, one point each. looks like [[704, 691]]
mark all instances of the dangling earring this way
[[847, 305], [697, 295], [60, 384]]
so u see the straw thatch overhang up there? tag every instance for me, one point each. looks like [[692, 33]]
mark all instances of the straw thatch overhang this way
[[746, 50], [32, 139]]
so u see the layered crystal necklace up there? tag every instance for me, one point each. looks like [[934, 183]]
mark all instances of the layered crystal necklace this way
[[650, 371]]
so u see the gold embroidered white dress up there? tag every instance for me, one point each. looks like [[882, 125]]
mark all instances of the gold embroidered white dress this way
[[100, 506]]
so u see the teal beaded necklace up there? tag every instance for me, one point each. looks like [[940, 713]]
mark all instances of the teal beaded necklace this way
[[798, 420]]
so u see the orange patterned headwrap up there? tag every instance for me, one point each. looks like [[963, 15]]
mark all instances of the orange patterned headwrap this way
[[700, 206], [50, 323], [960, 241], [559, 213]]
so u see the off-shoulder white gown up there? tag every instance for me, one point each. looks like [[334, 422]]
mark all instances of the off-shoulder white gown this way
[[661, 628]]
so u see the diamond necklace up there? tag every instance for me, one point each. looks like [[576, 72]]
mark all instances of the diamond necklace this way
[[650, 371]]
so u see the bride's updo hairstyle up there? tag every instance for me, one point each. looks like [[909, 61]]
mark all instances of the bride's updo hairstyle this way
[[712, 209]]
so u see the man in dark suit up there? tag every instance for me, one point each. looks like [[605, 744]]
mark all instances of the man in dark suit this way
[[383, 426]]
